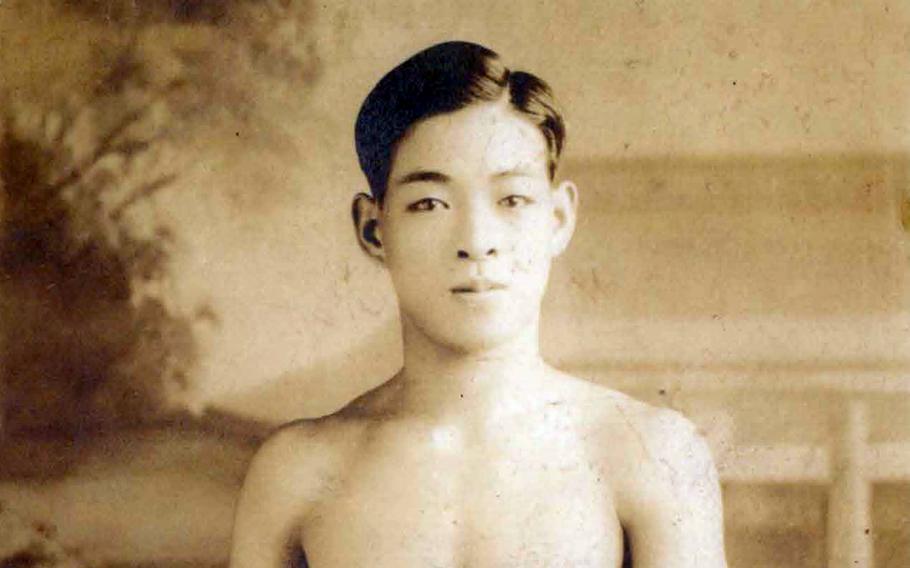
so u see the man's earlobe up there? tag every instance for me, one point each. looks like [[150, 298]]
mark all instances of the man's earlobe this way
[[365, 213]]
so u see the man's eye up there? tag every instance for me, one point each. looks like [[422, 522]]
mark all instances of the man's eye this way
[[515, 201], [427, 204]]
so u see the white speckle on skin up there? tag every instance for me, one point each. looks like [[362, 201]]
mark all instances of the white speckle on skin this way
[[446, 438]]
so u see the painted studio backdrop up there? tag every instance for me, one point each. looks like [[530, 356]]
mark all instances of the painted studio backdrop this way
[[178, 273]]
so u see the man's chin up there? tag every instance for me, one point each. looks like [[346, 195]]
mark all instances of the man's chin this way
[[473, 331], [478, 339]]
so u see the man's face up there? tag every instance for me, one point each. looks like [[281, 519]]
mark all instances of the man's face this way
[[470, 224]]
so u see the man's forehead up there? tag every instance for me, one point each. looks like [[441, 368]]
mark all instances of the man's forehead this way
[[491, 135]]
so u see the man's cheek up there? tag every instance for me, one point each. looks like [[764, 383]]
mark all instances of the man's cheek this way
[[529, 265], [531, 258]]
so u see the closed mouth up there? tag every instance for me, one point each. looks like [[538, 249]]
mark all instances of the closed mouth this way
[[478, 287]]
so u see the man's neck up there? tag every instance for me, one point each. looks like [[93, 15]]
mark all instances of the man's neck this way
[[441, 381]]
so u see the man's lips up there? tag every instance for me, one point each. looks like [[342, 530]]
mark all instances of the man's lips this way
[[478, 286]]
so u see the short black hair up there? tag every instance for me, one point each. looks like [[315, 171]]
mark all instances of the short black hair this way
[[442, 79]]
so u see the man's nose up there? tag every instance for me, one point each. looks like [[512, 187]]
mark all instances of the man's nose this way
[[480, 235]]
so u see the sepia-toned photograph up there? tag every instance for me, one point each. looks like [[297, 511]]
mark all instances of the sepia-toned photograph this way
[[287, 283]]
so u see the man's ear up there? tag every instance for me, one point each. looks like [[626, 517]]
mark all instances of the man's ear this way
[[565, 208], [365, 214]]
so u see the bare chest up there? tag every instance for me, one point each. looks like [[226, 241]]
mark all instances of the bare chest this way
[[529, 500]]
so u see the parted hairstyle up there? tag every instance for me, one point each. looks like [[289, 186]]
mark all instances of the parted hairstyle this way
[[442, 79]]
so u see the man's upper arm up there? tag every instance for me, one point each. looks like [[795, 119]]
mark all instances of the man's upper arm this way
[[675, 515], [278, 486]]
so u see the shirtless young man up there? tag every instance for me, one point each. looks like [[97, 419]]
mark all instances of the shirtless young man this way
[[477, 453]]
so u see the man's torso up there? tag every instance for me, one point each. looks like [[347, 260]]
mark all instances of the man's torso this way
[[527, 489]]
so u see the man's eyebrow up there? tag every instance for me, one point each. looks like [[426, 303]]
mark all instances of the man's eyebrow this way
[[422, 176], [517, 171]]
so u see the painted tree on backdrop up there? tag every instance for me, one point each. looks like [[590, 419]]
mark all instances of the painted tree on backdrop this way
[[91, 334]]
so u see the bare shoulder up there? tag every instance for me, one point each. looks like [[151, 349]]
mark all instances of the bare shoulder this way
[[659, 435], [664, 436], [676, 461], [312, 445], [663, 480], [300, 445], [296, 467], [660, 448], [611, 415], [647, 449], [301, 460], [311, 452]]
